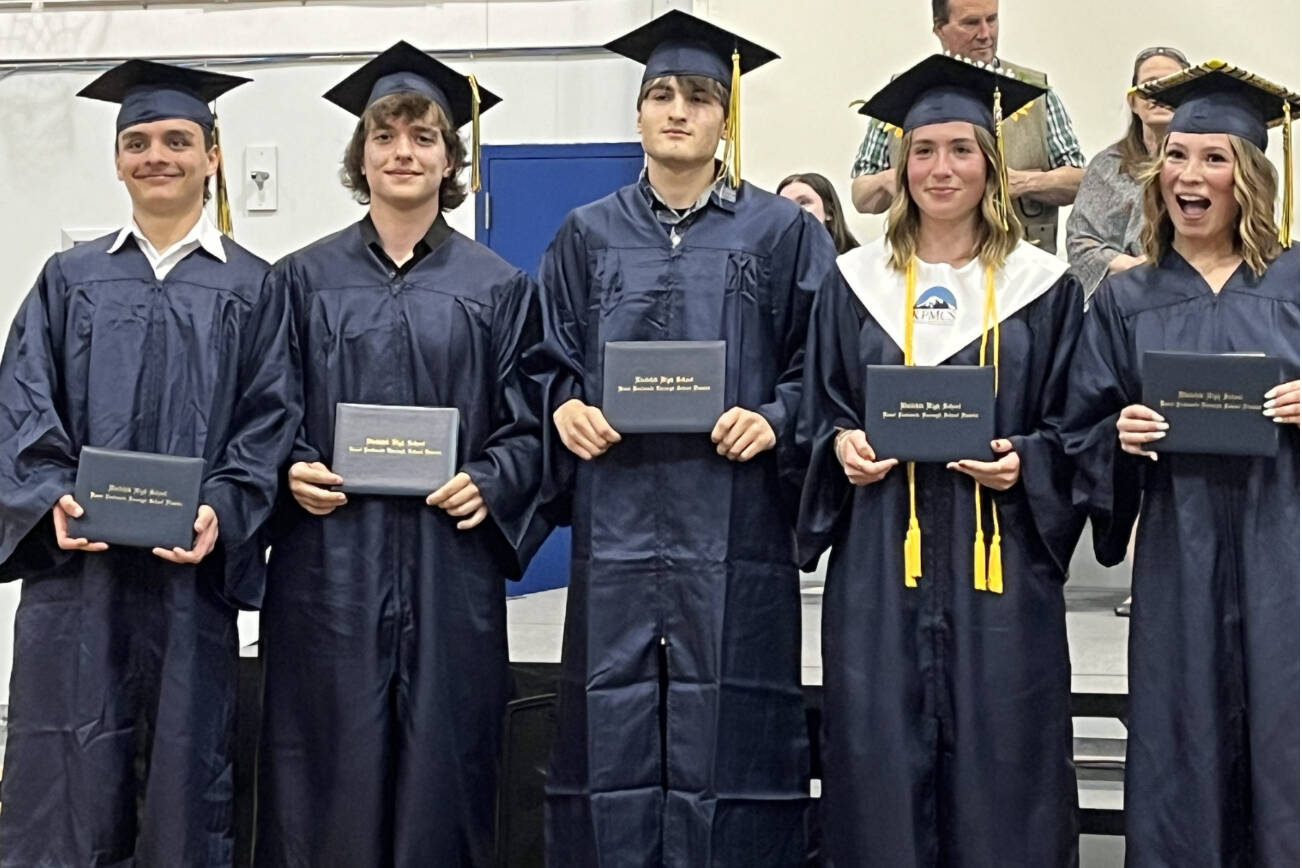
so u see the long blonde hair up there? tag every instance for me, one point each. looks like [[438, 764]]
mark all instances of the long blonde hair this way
[[903, 218], [1256, 236]]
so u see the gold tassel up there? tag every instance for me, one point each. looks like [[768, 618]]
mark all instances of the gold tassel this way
[[912, 541], [474, 134], [731, 165], [734, 126], [913, 536], [989, 578], [1286, 218], [732, 148], [995, 575], [223, 202], [1005, 203]]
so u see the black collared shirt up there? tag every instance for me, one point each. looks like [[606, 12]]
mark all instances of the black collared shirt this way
[[437, 233], [677, 220]]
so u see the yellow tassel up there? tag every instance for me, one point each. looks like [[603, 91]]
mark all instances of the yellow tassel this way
[[995, 575], [1005, 203], [474, 134], [913, 536], [732, 151], [912, 544], [991, 579], [979, 547], [223, 202], [1286, 218]]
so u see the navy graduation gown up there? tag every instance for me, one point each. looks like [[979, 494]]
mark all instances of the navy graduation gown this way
[[384, 628], [122, 697], [681, 728], [1212, 753], [946, 710]]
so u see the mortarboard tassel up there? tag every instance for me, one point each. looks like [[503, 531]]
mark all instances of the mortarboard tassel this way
[[474, 134], [913, 536], [223, 203], [1005, 204], [732, 151], [1286, 218]]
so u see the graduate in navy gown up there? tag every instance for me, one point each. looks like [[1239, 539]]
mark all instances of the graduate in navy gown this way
[[1212, 744], [681, 726], [384, 627], [159, 338], [946, 720]]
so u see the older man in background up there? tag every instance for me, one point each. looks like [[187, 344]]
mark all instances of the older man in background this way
[[1045, 163]]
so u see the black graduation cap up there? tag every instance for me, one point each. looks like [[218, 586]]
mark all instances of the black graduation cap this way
[[404, 68], [1216, 97], [944, 88], [150, 91], [680, 44]]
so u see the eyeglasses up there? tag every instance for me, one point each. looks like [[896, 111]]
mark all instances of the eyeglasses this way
[[1161, 51], [1158, 51]]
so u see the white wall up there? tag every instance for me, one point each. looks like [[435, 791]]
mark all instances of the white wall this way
[[55, 151], [833, 51], [56, 168]]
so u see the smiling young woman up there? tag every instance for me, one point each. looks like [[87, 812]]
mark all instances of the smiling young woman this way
[[1212, 760], [938, 640]]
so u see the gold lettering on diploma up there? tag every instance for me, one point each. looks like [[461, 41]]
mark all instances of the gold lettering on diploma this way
[[394, 446], [142, 494], [940, 410], [663, 383], [1208, 399]]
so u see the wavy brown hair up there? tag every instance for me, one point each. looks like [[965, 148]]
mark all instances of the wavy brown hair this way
[[1256, 235], [994, 242], [842, 237], [409, 107]]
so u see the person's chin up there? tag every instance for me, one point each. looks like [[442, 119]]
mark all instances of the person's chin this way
[[404, 196], [679, 156], [164, 197]]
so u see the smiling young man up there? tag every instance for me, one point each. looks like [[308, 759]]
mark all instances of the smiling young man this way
[[385, 623], [681, 735], [159, 338], [1045, 163]]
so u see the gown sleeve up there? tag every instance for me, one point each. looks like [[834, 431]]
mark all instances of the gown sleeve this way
[[1046, 471], [1103, 380], [803, 258], [830, 401], [509, 470], [37, 459], [556, 361], [242, 485]]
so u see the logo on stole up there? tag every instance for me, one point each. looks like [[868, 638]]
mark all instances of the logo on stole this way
[[936, 306]]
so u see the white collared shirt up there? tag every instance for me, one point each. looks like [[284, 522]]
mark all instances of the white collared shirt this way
[[203, 234]]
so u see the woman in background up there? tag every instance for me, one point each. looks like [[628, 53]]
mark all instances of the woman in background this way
[[1103, 230], [814, 193]]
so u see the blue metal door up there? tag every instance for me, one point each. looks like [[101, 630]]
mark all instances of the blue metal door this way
[[527, 191]]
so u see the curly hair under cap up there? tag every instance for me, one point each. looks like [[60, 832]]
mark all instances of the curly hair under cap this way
[[407, 107], [1256, 235]]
